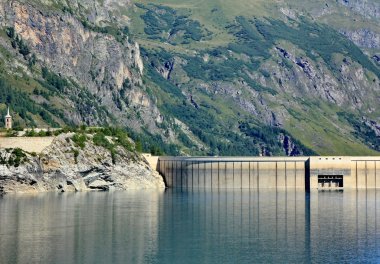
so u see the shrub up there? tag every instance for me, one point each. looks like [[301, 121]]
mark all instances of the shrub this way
[[11, 133], [79, 140], [30, 133], [76, 154], [17, 41], [100, 139], [11, 32], [42, 133], [138, 146], [17, 157]]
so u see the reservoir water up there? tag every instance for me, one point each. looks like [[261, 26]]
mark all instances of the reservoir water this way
[[177, 226]]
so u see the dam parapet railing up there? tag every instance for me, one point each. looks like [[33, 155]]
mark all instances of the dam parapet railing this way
[[269, 172]]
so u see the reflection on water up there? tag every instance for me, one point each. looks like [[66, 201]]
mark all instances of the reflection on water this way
[[79, 228], [229, 226]]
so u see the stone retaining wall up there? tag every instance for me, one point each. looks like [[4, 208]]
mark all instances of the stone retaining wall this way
[[29, 144]]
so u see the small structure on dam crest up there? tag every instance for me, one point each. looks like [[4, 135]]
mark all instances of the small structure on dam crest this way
[[271, 172]]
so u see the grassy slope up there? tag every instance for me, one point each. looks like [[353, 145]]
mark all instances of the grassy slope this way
[[201, 11], [337, 15]]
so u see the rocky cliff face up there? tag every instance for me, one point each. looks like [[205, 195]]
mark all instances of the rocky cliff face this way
[[78, 43], [65, 167]]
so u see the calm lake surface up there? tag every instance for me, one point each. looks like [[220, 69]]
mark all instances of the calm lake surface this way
[[177, 226]]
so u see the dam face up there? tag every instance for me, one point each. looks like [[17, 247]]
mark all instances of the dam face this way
[[270, 172], [241, 173]]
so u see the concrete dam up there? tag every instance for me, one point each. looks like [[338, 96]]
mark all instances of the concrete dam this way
[[304, 173]]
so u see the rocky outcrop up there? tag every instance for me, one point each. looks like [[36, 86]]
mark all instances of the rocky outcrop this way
[[364, 38], [65, 167], [289, 147], [372, 125], [376, 58], [97, 12], [306, 76], [367, 8], [167, 69]]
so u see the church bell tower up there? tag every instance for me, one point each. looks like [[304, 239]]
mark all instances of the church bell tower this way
[[8, 121]]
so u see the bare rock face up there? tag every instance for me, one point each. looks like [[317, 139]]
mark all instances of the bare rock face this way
[[65, 167], [289, 147], [63, 43], [376, 59], [84, 48], [375, 126], [364, 38], [97, 12], [368, 8], [349, 86]]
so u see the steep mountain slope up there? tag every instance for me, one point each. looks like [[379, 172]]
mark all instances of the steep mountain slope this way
[[76, 64], [271, 64], [200, 77]]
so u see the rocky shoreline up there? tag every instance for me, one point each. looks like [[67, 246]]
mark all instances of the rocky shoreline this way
[[65, 166]]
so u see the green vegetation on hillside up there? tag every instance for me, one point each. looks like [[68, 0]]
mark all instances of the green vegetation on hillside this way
[[165, 24], [109, 138], [253, 42], [20, 103], [21, 46], [154, 143], [269, 136], [258, 36], [361, 130], [54, 80], [120, 34], [16, 157], [213, 128], [85, 102]]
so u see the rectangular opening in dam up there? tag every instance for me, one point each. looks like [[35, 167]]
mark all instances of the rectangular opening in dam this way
[[330, 181]]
